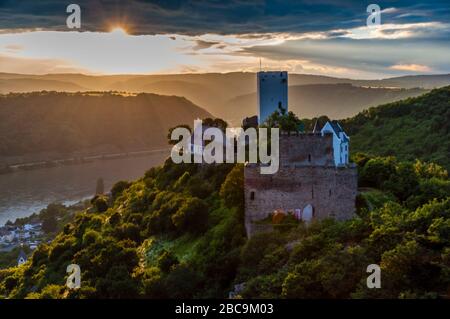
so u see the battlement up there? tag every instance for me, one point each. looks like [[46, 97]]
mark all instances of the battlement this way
[[306, 149]]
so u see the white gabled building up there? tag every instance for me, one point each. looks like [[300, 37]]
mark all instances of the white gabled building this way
[[340, 142], [22, 258]]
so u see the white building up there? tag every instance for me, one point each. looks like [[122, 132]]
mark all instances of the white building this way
[[340, 142], [272, 92], [22, 258]]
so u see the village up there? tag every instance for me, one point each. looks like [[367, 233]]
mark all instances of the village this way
[[12, 236]]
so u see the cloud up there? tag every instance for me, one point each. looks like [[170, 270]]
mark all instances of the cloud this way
[[201, 44], [389, 10], [411, 67], [22, 65], [194, 17], [14, 48]]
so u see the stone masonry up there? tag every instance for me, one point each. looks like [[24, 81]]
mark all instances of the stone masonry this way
[[307, 175]]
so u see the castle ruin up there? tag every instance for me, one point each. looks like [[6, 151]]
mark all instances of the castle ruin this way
[[311, 182]]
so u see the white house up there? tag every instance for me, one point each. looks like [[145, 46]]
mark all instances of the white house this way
[[197, 143], [22, 258], [340, 142]]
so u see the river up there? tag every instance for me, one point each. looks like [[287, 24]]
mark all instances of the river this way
[[23, 193]]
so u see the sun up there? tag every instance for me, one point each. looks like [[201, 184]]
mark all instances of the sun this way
[[118, 30]]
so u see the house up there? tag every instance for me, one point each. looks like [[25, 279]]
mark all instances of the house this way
[[22, 258], [197, 142], [340, 142]]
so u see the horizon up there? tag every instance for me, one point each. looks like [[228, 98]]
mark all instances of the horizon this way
[[222, 73]]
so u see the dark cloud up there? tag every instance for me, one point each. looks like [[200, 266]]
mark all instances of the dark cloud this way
[[201, 44], [214, 16]]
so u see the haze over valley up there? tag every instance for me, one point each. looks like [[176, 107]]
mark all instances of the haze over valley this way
[[231, 96]]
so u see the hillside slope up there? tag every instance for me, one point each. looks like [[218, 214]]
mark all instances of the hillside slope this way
[[178, 232], [62, 124], [29, 85], [216, 92], [333, 100], [413, 128]]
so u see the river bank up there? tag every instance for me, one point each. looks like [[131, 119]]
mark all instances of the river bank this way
[[76, 160], [27, 191]]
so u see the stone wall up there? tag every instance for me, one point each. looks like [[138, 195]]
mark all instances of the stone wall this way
[[307, 175]]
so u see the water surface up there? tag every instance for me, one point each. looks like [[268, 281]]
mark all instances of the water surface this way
[[25, 192]]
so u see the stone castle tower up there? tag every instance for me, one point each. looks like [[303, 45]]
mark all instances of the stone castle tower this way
[[308, 181]]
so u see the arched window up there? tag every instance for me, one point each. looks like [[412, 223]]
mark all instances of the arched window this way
[[252, 195], [309, 157]]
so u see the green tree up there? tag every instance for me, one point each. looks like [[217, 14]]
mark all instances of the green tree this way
[[118, 188], [166, 260], [192, 216], [285, 121], [232, 189], [49, 224]]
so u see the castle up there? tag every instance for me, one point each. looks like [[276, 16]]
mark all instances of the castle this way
[[315, 180]]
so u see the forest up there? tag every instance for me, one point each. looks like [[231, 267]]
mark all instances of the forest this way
[[178, 232]]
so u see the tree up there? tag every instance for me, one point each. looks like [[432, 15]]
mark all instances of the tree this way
[[100, 203], [232, 189], [118, 188], [192, 216], [219, 123], [376, 171], [169, 134], [166, 260], [285, 121], [49, 224]]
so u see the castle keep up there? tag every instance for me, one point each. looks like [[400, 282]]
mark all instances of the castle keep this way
[[312, 182]]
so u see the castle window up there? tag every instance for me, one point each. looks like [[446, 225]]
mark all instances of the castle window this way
[[309, 157], [252, 195], [312, 192], [330, 192]]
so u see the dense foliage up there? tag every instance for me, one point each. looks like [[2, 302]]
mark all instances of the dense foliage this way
[[168, 234], [58, 124], [178, 232], [413, 128], [402, 226]]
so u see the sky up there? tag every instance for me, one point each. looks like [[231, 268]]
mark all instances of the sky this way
[[323, 37]]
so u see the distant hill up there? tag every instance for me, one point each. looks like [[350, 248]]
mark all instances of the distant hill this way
[[56, 125], [334, 100], [216, 92], [413, 128], [29, 85]]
